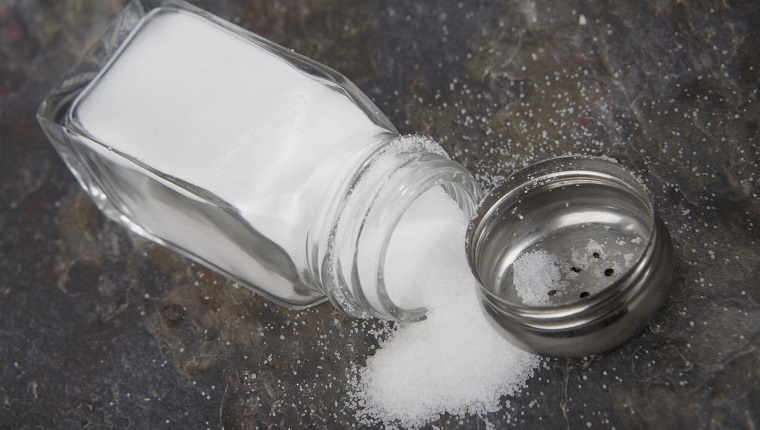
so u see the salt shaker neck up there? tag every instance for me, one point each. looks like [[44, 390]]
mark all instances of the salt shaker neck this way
[[352, 272]]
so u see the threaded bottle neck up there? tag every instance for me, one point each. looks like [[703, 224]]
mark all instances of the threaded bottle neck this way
[[352, 272]]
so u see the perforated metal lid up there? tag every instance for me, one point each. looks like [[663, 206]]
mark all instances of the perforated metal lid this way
[[571, 256]]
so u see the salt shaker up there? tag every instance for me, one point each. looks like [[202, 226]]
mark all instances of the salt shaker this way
[[277, 172]]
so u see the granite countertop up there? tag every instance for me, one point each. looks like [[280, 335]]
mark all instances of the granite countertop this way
[[100, 328]]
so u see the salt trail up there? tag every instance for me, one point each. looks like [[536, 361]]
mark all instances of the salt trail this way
[[453, 362]]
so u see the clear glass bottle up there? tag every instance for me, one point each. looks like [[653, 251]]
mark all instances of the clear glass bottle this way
[[298, 213]]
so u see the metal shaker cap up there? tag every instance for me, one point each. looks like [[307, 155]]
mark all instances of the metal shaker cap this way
[[571, 256]]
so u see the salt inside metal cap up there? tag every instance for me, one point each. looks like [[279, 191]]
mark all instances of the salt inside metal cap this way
[[571, 257]]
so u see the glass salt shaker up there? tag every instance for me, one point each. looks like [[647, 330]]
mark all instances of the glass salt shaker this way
[[257, 162]]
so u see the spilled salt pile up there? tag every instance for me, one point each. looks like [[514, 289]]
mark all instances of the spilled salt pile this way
[[453, 362]]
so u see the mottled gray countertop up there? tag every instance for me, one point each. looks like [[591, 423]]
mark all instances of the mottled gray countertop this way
[[102, 329]]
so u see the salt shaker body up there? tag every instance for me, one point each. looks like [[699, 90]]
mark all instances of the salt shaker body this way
[[252, 160]]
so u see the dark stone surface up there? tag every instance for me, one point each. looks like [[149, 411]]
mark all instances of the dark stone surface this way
[[101, 329]]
